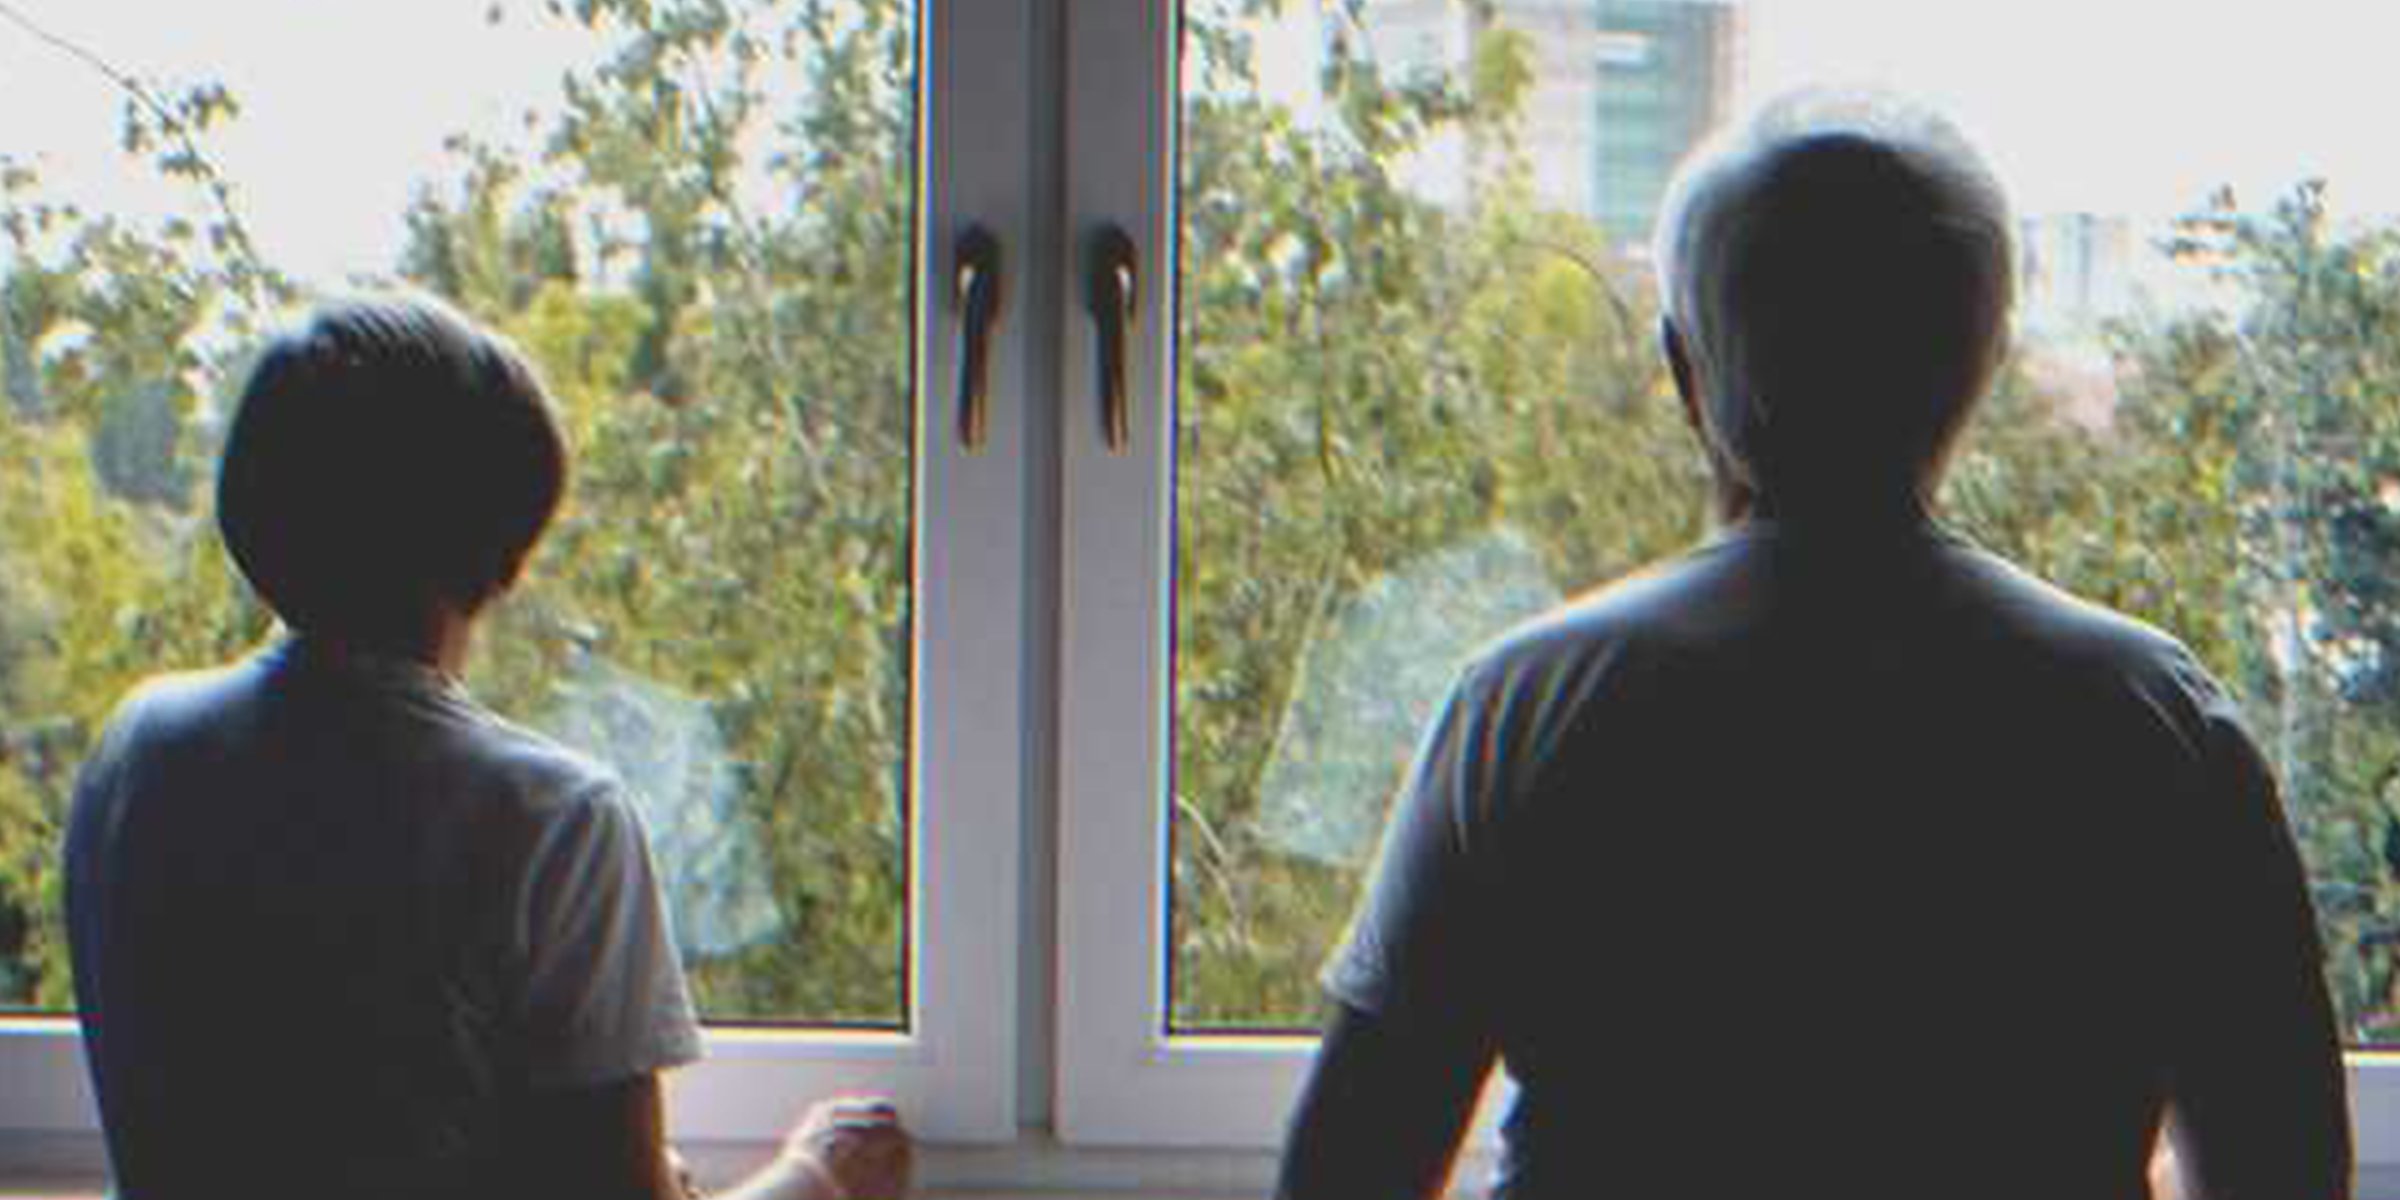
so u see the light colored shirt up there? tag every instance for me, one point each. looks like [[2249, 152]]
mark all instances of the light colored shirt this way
[[1855, 863], [326, 904]]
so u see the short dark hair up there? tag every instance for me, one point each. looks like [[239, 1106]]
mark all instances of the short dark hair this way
[[385, 456]]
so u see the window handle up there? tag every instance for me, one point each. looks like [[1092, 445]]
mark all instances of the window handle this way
[[1112, 291], [975, 298]]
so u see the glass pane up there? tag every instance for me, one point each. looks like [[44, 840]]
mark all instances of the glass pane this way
[[696, 218], [1419, 400]]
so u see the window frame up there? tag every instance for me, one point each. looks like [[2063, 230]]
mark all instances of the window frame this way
[[983, 721], [1123, 1080], [954, 1069], [1118, 1068]]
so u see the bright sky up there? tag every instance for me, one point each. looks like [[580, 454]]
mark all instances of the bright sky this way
[[2120, 106], [2130, 107], [345, 104], [2123, 106]]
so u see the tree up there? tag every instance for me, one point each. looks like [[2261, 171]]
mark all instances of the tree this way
[[2284, 417], [1400, 426]]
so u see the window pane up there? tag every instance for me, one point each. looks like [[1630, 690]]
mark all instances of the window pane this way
[[1419, 400], [695, 217]]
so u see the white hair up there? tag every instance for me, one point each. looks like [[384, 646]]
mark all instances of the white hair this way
[[1839, 270]]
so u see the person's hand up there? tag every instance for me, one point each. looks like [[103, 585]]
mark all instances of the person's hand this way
[[681, 1168], [851, 1148]]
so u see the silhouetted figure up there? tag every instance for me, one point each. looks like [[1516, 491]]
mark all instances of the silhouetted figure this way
[[338, 931], [1836, 858]]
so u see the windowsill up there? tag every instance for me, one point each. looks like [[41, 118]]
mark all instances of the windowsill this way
[[72, 1167], [68, 1165], [60, 1166]]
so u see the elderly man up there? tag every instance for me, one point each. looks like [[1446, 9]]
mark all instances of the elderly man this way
[[1837, 857]]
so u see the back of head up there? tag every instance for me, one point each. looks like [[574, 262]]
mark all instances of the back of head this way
[[1839, 270], [387, 456]]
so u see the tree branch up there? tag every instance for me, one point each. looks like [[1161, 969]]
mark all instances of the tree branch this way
[[253, 268]]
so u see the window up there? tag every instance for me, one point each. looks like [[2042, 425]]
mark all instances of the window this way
[[1414, 398], [701, 222], [1324, 353]]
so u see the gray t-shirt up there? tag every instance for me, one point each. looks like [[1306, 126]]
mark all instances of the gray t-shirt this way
[[330, 919], [1862, 865]]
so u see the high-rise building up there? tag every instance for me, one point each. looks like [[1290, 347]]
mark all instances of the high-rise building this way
[[2074, 270], [1664, 74], [1619, 91]]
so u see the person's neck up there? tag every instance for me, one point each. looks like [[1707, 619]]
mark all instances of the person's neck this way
[[447, 652], [1845, 515], [440, 643]]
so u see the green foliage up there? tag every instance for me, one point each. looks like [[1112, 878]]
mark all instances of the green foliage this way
[[708, 257], [731, 366], [2288, 413], [110, 573], [733, 375], [1402, 380], [1399, 380]]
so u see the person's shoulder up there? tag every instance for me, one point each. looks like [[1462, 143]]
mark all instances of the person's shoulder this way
[[1609, 645], [2027, 608], [175, 706], [2089, 647], [539, 773], [525, 796], [188, 694], [1686, 598]]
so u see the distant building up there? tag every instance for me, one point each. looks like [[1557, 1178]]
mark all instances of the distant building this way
[[1408, 37], [2075, 270], [1621, 91], [2077, 274], [1418, 39], [1665, 77]]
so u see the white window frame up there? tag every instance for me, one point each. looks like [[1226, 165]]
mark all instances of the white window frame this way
[[954, 1070], [1129, 1104], [1123, 1080]]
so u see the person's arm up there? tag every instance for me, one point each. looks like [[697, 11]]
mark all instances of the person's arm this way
[[1383, 1111], [849, 1148], [2256, 1072], [1410, 1041], [608, 1142], [605, 1008]]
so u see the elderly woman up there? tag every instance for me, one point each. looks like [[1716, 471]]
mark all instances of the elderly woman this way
[[1837, 857]]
